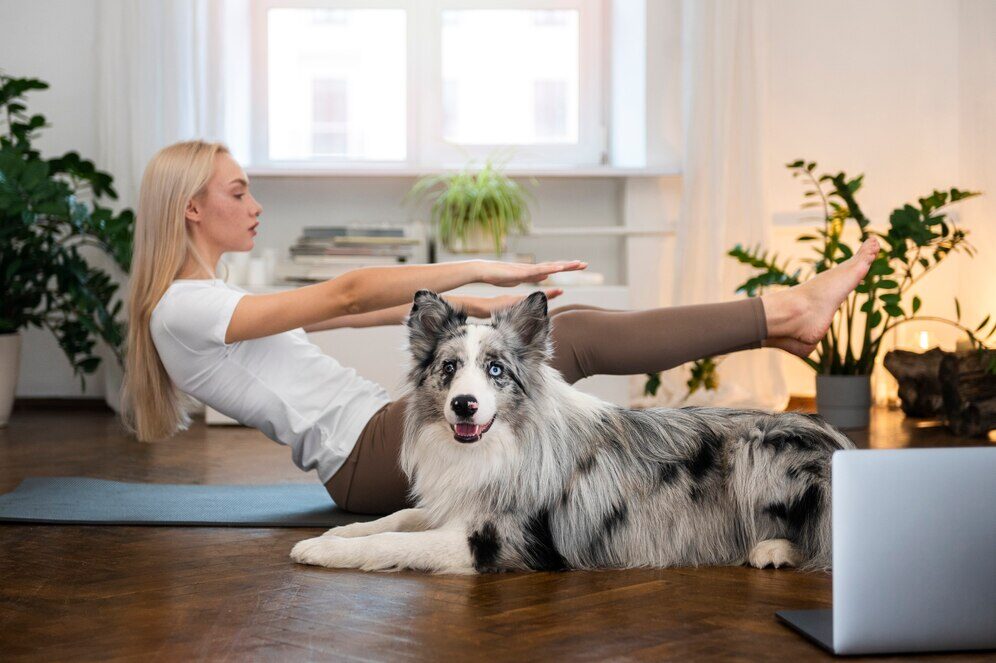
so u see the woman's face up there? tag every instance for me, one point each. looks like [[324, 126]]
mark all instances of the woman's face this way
[[225, 213]]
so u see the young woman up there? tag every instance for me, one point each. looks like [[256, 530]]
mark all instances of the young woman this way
[[248, 356]]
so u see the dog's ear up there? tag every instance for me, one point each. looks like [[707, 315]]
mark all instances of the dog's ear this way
[[429, 320], [529, 322]]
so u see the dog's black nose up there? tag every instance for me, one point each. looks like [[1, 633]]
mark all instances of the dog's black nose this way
[[464, 406]]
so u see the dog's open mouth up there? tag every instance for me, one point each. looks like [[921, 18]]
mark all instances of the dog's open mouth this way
[[470, 432]]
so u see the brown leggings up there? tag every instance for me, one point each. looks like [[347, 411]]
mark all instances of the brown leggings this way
[[587, 340]]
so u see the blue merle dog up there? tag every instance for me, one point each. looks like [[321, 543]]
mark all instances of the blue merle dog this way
[[514, 469]]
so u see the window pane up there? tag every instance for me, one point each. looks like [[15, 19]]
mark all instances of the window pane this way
[[337, 84], [510, 76]]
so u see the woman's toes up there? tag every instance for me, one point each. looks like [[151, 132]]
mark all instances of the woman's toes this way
[[870, 248], [866, 254]]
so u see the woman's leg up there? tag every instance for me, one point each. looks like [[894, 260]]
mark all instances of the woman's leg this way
[[592, 341], [371, 481]]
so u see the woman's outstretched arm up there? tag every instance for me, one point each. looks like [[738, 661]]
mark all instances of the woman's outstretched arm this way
[[373, 289], [475, 307]]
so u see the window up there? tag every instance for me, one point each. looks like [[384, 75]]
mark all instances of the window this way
[[501, 95], [329, 121], [427, 82], [335, 85]]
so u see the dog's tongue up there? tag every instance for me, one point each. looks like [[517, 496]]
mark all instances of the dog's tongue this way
[[468, 430]]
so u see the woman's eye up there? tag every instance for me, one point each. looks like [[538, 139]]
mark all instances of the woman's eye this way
[[495, 370], [449, 367]]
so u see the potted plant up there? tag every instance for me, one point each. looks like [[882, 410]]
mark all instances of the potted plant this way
[[919, 238], [48, 209], [474, 212]]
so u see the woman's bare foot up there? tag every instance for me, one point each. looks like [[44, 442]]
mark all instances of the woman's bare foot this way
[[799, 317], [790, 345]]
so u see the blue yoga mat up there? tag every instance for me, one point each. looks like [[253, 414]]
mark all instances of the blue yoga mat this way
[[79, 500]]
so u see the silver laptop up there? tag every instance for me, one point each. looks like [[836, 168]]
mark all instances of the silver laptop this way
[[914, 553]]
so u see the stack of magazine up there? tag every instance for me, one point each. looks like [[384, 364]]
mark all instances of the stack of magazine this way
[[325, 252]]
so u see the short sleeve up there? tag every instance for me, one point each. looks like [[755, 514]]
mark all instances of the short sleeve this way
[[198, 316]]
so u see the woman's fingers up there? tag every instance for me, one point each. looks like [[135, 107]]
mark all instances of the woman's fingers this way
[[561, 266], [509, 274], [553, 292], [542, 270]]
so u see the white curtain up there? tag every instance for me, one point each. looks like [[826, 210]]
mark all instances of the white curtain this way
[[723, 190], [169, 70]]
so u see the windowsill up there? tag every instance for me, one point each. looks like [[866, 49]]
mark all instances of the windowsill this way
[[390, 170]]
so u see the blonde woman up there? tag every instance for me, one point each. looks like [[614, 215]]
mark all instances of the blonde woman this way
[[248, 355]]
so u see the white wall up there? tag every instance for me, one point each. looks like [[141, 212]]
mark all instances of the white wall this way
[[977, 146], [54, 41], [881, 88]]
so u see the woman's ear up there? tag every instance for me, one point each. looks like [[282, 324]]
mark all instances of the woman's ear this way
[[192, 212]]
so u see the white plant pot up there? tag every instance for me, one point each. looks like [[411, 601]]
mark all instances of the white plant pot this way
[[478, 241], [10, 364]]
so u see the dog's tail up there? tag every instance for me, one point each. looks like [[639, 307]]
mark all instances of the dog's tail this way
[[783, 476], [807, 519]]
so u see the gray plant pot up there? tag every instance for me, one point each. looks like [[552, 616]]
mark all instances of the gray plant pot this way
[[844, 400]]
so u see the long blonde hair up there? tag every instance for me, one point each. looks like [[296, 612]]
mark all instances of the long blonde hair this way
[[152, 407]]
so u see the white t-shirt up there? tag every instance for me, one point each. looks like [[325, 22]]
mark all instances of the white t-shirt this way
[[283, 384]]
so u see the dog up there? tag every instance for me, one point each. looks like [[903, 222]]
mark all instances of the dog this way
[[512, 468]]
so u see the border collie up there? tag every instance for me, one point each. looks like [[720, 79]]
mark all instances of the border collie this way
[[514, 469]]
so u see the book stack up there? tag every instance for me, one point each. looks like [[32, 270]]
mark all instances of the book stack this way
[[325, 252]]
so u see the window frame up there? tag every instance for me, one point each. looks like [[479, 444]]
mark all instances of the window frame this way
[[425, 146]]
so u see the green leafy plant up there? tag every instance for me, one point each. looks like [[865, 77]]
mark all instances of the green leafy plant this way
[[467, 202], [49, 208], [918, 239], [704, 375]]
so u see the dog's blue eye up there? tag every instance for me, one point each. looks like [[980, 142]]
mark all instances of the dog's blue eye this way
[[496, 370], [449, 367]]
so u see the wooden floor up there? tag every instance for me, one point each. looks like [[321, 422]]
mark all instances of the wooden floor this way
[[164, 594]]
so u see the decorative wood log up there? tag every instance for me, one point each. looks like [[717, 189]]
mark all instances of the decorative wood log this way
[[977, 419], [916, 373], [969, 392]]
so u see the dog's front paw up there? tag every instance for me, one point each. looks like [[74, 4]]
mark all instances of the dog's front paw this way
[[350, 531], [324, 550], [774, 552]]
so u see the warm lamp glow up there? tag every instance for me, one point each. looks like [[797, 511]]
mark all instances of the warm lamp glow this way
[[924, 340]]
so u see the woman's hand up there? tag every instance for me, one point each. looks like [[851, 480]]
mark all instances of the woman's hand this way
[[483, 307], [507, 274]]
